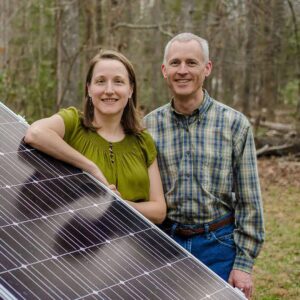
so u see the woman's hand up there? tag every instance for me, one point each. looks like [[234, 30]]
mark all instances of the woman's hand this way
[[96, 172], [114, 189]]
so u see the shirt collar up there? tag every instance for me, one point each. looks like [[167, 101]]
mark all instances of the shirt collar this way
[[200, 111]]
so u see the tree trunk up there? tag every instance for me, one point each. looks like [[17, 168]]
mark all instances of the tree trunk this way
[[187, 11], [249, 57], [68, 72], [272, 46], [296, 33], [4, 32]]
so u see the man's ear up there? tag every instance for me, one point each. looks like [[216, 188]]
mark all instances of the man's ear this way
[[208, 68], [163, 70]]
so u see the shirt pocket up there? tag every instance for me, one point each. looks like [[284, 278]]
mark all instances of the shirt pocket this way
[[217, 173]]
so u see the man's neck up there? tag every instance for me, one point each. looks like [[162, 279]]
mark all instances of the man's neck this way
[[187, 105]]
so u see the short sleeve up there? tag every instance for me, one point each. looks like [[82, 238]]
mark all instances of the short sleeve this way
[[71, 119], [148, 147]]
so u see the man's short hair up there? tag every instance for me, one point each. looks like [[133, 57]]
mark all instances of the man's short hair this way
[[185, 37]]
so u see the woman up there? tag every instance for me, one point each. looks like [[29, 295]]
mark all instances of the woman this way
[[107, 141]]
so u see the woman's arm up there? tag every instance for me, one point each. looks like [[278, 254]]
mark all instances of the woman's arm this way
[[47, 135], [155, 209]]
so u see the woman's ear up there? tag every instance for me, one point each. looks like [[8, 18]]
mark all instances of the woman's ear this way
[[88, 90], [131, 91]]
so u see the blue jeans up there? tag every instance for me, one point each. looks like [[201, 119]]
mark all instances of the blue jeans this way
[[216, 249]]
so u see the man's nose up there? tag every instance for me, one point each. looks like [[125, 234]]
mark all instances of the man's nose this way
[[182, 68]]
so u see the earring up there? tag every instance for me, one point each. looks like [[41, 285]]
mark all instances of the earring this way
[[90, 102]]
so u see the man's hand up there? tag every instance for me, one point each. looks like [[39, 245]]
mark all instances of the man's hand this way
[[242, 281]]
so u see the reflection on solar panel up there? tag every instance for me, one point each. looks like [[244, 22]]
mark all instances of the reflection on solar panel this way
[[65, 236]]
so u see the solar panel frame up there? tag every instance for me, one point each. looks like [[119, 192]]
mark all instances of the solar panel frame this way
[[150, 264]]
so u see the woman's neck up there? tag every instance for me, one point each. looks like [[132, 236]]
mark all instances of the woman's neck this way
[[109, 127]]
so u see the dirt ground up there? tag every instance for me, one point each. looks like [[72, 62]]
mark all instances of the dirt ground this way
[[283, 171]]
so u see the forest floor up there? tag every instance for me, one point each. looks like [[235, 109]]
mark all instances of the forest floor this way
[[277, 269]]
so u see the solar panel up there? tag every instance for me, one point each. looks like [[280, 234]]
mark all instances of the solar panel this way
[[64, 235]]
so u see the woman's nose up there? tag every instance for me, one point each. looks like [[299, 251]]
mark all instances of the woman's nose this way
[[109, 88]]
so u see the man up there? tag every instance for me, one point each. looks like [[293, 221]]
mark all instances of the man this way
[[207, 160]]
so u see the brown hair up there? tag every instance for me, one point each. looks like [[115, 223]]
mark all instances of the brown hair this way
[[130, 120]]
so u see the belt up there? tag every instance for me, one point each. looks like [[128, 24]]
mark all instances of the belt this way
[[188, 232]]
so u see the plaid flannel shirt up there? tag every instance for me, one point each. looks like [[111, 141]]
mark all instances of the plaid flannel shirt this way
[[208, 167]]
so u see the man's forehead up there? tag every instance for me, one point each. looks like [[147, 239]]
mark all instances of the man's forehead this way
[[187, 49]]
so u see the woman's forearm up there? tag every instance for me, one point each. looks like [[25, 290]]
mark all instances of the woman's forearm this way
[[49, 142], [154, 211]]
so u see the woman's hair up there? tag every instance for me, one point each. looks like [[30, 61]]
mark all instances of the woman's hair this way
[[130, 119]]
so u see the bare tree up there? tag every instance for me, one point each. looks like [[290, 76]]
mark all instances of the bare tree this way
[[4, 31], [296, 33], [251, 24], [187, 11], [68, 50], [271, 44]]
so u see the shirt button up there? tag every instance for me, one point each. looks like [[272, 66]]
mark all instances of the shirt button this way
[[187, 153], [187, 175]]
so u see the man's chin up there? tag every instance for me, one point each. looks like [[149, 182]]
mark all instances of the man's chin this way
[[182, 92]]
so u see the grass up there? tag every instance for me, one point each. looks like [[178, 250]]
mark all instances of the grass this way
[[277, 269]]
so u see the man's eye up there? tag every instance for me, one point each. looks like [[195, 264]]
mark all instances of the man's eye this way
[[174, 63]]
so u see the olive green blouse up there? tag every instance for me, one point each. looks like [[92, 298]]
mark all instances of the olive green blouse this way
[[124, 163]]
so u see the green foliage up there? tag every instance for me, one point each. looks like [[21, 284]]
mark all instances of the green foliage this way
[[42, 91], [2, 86], [30, 79], [289, 92], [175, 6]]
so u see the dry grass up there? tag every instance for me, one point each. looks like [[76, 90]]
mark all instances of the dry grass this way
[[277, 270]]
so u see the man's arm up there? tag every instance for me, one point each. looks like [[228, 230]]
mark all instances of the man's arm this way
[[249, 233]]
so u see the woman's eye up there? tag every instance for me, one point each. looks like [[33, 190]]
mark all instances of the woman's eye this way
[[119, 81], [99, 81]]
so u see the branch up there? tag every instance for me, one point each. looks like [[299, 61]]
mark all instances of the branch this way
[[269, 149], [275, 126], [145, 26]]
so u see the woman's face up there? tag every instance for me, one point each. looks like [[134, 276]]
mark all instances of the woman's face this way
[[110, 88]]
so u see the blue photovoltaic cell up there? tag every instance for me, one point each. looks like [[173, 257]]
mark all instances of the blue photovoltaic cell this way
[[65, 236]]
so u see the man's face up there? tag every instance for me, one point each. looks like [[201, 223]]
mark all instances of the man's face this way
[[185, 69]]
